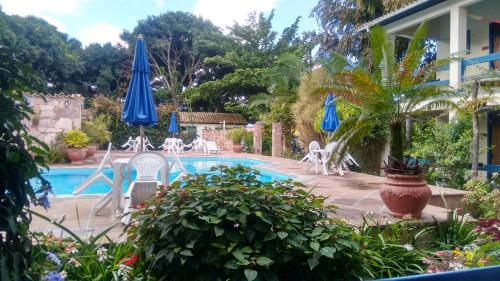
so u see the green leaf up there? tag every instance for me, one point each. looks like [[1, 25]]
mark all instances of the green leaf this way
[[218, 231], [314, 245], [250, 274], [189, 224], [221, 212], [244, 209], [327, 251], [240, 257], [312, 262], [186, 252], [282, 235], [258, 213], [317, 231], [270, 236], [264, 261]]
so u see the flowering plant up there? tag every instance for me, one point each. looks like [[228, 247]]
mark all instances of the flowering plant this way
[[490, 228], [467, 257]]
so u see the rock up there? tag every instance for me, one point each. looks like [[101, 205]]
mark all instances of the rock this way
[[64, 123]]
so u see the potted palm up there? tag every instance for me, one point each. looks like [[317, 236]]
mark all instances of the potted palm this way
[[76, 143], [97, 133], [237, 135], [385, 92]]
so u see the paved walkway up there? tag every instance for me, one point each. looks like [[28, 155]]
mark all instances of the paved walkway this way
[[355, 194]]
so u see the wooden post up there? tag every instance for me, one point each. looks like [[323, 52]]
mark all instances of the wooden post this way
[[475, 131], [257, 138], [277, 140]]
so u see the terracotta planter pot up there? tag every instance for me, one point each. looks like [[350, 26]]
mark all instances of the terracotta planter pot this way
[[91, 150], [76, 155], [237, 148], [405, 194]]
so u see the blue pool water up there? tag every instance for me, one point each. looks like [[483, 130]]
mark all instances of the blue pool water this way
[[64, 180]]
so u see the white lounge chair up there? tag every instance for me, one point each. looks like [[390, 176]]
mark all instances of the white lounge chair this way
[[170, 145], [129, 145], [197, 145], [146, 143], [147, 166], [311, 156], [97, 176], [211, 146]]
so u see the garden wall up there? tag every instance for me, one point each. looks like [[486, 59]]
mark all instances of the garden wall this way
[[218, 137], [54, 114]]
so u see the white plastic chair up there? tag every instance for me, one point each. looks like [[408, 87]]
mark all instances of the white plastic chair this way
[[211, 146], [147, 166], [97, 176], [129, 144], [311, 156]]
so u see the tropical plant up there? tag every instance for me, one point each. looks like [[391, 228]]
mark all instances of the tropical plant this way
[[96, 130], [457, 230], [21, 156], [445, 146], [237, 135], [387, 93], [231, 226], [56, 154], [75, 139], [75, 258], [392, 248], [481, 200]]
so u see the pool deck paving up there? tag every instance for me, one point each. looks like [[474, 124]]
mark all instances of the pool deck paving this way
[[355, 195]]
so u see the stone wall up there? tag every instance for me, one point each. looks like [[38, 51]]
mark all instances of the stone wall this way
[[219, 138], [54, 114]]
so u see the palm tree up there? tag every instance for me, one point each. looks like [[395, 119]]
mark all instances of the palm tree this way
[[387, 91]]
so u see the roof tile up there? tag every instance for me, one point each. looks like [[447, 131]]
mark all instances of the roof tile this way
[[211, 118]]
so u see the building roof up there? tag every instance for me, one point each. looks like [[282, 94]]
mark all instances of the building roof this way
[[211, 118], [400, 13]]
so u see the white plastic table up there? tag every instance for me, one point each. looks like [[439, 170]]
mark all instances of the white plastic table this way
[[119, 166], [317, 154]]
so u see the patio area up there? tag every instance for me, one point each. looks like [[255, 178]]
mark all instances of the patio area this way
[[355, 194]]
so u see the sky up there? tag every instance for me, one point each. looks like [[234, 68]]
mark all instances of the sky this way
[[102, 21]]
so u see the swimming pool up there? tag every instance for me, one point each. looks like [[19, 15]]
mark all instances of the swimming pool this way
[[64, 180]]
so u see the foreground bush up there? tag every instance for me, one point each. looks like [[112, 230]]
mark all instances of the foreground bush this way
[[230, 226]]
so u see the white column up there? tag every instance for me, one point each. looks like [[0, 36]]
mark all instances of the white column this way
[[458, 37]]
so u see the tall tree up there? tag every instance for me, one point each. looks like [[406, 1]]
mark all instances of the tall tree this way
[[47, 50], [243, 72], [178, 42], [386, 96]]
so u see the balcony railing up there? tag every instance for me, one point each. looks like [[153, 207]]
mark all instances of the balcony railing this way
[[466, 63]]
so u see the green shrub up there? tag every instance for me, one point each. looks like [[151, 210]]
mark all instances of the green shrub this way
[[392, 248], [456, 231], [96, 130], [481, 200], [75, 139], [230, 226], [237, 135], [447, 147], [56, 154]]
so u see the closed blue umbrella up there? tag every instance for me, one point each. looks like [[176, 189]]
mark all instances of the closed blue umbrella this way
[[330, 120], [139, 108], [172, 128]]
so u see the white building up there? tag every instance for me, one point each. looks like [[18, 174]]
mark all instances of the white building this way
[[469, 30], [200, 121]]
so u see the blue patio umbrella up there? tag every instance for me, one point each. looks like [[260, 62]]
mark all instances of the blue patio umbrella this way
[[172, 128], [330, 120], [139, 108]]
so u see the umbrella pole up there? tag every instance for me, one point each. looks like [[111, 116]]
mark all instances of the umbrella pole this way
[[141, 143]]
